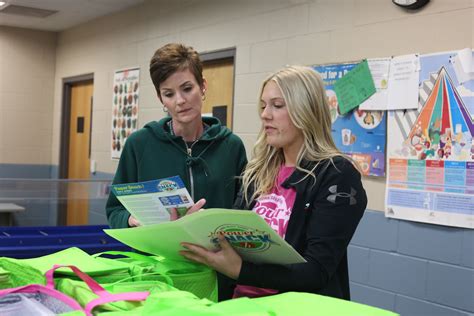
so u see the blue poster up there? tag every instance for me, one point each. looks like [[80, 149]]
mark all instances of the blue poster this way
[[360, 133]]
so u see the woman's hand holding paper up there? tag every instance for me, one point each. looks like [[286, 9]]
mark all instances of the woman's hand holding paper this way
[[174, 215], [225, 260], [133, 222]]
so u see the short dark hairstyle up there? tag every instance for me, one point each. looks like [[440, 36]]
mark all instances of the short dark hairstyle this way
[[171, 58]]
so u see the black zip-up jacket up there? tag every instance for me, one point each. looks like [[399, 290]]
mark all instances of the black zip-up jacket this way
[[323, 220]]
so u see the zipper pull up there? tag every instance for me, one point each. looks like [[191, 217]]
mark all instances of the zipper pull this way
[[190, 151]]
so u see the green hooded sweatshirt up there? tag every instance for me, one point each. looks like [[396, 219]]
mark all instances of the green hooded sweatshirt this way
[[209, 171]]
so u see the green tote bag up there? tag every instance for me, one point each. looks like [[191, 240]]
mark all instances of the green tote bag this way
[[183, 275]]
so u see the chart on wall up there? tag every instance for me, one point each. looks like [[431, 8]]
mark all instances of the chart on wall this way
[[430, 150], [359, 133], [124, 108]]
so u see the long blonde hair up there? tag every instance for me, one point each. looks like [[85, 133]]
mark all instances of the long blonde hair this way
[[303, 91]]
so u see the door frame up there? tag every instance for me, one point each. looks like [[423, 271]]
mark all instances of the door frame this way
[[67, 84], [218, 56], [63, 168]]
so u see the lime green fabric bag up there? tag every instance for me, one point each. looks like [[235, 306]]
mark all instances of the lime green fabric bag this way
[[82, 293], [180, 303], [102, 272], [14, 273], [286, 304], [302, 304], [183, 275]]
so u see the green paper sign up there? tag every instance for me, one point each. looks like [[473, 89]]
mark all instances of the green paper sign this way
[[354, 87]]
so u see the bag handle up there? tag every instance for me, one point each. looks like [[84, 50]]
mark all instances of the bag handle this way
[[109, 298], [91, 283], [129, 254], [35, 288], [161, 268], [147, 259], [168, 280], [104, 296]]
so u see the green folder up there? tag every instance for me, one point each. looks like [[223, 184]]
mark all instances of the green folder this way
[[246, 231]]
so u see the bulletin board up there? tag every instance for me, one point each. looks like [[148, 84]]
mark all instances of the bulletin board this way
[[421, 159]]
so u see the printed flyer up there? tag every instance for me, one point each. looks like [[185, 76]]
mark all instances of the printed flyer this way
[[360, 133], [124, 108], [247, 232], [431, 149], [150, 202]]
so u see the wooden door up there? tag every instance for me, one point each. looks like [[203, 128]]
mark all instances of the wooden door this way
[[79, 153], [219, 95]]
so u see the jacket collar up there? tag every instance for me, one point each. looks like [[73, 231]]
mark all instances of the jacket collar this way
[[296, 178]]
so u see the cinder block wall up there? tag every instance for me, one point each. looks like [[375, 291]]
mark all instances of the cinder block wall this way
[[412, 268], [415, 269], [27, 69], [267, 35]]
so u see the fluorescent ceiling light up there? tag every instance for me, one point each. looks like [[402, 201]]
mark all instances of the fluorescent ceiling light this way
[[2, 3]]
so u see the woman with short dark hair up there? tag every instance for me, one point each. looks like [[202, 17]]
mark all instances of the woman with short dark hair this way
[[206, 155]]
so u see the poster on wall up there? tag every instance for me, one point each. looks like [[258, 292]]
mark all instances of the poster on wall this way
[[124, 108], [359, 133], [430, 150]]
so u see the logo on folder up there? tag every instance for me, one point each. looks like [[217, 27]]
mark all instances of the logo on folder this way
[[242, 237], [167, 185]]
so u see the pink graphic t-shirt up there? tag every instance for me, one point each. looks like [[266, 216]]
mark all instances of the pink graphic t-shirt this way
[[275, 208]]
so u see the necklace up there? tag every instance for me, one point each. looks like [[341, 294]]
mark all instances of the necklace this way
[[189, 145]]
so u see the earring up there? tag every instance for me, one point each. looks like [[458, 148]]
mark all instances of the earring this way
[[203, 97], [165, 109]]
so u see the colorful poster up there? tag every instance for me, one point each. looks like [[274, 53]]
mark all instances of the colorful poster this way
[[430, 149], [124, 108], [360, 133]]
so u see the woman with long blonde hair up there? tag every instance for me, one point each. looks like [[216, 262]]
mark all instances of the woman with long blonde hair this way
[[303, 186]]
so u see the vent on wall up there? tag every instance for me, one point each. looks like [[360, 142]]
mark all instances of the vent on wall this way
[[27, 11]]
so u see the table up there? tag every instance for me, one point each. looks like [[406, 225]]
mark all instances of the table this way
[[6, 213]]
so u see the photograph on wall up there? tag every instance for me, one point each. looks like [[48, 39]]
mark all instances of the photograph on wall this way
[[359, 133], [430, 150], [124, 108]]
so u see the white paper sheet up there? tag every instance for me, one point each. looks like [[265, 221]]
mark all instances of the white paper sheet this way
[[379, 69], [403, 82], [463, 64], [467, 60]]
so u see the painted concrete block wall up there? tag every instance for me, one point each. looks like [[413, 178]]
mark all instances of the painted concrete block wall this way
[[426, 264], [267, 34], [387, 269], [412, 268], [27, 70]]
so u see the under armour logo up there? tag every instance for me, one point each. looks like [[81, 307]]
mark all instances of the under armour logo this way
[[332, 198]]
